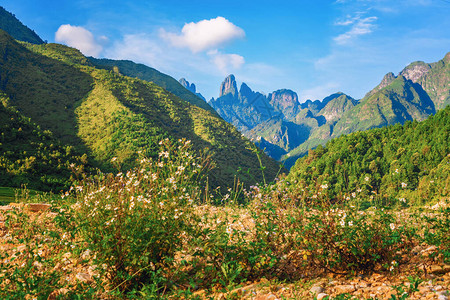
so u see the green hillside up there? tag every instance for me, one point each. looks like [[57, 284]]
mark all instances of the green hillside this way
[[409, 161], [109, 115], [395, 100], [398, 102], [131, 69], [10, 24], [33, 157]]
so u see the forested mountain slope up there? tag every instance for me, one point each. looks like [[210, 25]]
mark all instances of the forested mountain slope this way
[[109, 115], [409, 161]]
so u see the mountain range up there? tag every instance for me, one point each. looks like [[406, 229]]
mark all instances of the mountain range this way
[[286, 129], [60, 107]]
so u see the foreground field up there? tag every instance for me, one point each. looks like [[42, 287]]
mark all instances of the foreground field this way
[[234, 253]]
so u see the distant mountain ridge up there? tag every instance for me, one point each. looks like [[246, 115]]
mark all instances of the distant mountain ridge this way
[[287, 129], [190, 87]]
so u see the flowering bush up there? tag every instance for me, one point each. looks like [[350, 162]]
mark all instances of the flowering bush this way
[[135, 222]]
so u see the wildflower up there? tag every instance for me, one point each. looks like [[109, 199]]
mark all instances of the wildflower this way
[[393, 265], [402, 200], [113, 159], [228, 229], [404, 185], [396, 170], [354, 195], [392, 226], [324, 186], [366, 178], [164, 154], [350, 223], [342, 223]]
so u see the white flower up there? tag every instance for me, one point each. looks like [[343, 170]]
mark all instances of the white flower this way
[[324, 186], [402, 200], [392, 226], [164, 153], [228, 229], [404, 185], [366, 178], [350, 223]]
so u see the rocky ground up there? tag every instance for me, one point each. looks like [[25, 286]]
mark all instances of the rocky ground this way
[[420, 278]]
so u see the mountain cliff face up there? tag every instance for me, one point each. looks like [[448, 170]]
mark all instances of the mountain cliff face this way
[[434, 79], [228, 86], [15, 28], [105, 114], [286, 102]]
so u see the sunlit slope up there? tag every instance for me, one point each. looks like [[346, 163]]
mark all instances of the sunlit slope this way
[[111, 115]]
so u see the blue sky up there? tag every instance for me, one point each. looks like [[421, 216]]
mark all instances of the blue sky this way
[[312, 47]]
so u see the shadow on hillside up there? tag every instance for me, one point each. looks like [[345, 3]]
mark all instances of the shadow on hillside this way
[[46, 90]]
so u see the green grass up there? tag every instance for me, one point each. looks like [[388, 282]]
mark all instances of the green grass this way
[[7, 195]]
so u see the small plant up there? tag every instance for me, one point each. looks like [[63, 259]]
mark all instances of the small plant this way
[[437, 233]]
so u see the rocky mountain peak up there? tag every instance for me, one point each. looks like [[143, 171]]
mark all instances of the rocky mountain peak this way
[[447, 58], [415, 71], [387, 80], [228, 86], [191, 87], [284, 98], [245, 90]]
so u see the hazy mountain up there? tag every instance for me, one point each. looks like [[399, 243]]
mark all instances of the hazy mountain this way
[[15, 28], [106, 114], [191, 87], [244, 108]]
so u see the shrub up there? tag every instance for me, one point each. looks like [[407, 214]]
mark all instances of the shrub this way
[[136, 222]]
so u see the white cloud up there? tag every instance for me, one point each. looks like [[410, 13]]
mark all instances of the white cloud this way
[[204, 35], [80, 38], [226, 63], [360, 26]]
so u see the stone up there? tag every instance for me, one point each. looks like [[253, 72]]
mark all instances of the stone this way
[[342, 289], [83, 277], [266, 297], [38, 207], [440, 269], [321, 296], [86, 255], [5, 208], [315, 290]]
